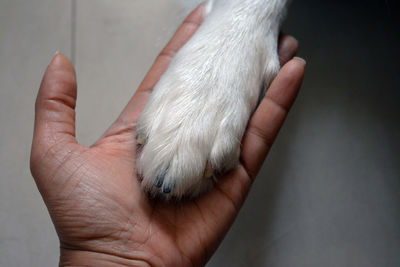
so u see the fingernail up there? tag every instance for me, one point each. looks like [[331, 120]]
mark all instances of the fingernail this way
[[288, 43], [53, 58], [207, 7], [301, 59]]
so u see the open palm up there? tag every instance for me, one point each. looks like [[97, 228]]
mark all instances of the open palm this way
[[93, 193]]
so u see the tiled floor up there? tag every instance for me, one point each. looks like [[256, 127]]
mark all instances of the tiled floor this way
[[116, 42], [329, 193], [27, 43]]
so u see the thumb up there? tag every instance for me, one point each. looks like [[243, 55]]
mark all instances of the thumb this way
[[55, 108]]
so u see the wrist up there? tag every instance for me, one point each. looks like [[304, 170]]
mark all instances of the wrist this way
[[91, 258]]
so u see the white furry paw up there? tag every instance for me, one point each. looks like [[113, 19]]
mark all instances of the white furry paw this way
[[192, 126]]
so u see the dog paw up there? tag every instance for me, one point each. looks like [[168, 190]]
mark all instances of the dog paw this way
[[187, 144], [191, 129]]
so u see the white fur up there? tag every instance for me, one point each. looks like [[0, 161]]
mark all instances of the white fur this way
[[196, 116]]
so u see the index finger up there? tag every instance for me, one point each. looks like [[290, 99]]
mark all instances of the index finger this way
[[132, 111], [266, 122]]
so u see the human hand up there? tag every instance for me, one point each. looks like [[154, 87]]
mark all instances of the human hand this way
[[93, 194]]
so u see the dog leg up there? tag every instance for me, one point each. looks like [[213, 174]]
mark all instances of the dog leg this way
[[193, 124]]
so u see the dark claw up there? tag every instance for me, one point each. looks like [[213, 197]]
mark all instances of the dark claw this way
[[140, 141], [167, 189], [160, 180]]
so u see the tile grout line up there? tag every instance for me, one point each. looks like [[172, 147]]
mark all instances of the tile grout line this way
[[73, 31]]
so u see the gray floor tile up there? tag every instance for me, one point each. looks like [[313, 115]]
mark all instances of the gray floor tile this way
[[117, 42], [30, 32]]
